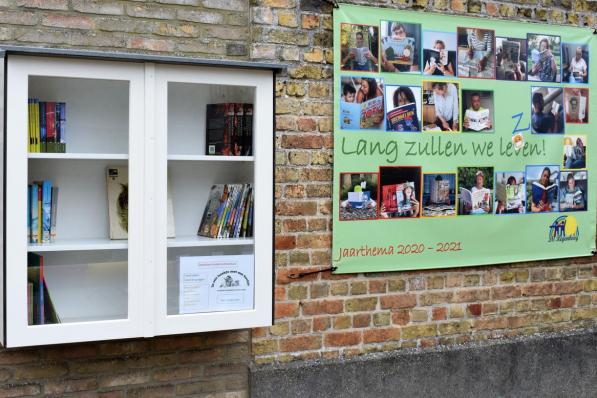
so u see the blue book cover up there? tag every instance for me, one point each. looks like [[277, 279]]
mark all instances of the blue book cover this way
[[46, 211], [62, 119], [547, 195], [42, 122], [350, 115], [34, 214]]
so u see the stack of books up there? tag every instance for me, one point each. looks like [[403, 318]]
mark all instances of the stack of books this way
[[229, 129], [41, 215], [40, 309], [47, 126], [229, 212]]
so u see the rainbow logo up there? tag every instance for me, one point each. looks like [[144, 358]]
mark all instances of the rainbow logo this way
[[564, 228]]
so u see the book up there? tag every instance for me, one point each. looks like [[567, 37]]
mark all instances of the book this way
[[210, 211], [42, 126], [403, 118], [350, 115], [477, 120], [229, 129], [247, 141], [227, 211], [477, 200], [34, 213], [36, 263], [39, 212], [54, 214], [46, 211], [118, 203], [399, 51], [544, 194], [236, 144], [510, 195], [571, 199], [393, 198], [51, 127]]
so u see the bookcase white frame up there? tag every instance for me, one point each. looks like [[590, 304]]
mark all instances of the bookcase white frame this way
[[147, 161]]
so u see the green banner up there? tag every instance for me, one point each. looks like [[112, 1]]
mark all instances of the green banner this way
[[460, 141]]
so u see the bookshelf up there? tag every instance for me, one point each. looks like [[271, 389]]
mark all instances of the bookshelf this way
[[146, 115]]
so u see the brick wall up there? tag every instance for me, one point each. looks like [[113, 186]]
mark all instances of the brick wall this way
[[326, 316], [212, 365]]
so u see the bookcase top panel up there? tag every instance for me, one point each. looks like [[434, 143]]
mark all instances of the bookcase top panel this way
[[137, 57]]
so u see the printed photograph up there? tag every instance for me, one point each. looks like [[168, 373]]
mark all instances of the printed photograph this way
[[510, 193], [359, 46], [575, 152], [358, 196], [400, 192], [542, 188], [439, 53], [403, 108], [577, 105], [575, 63], [543, 58], [477, 111], [439, 195], [573, 190], [475, 190], [547, 110], [476, 53], [361, 103], [511, 58], [400, 47], [441, 106]]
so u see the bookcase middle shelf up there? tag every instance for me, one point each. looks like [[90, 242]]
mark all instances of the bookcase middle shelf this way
[[123, 156], [107, 244]]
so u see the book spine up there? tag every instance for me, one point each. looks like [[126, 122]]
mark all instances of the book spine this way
[[234, 211], [42, 318], [34, 214], [245, 209], [42, 125], [29, 213], [39, 212], [63, 127], [243, 231], [51, 126], [241, 209], [248, 130], [214, 227], [57, 125], [54, 214], [237, 211], [250, 223], [46, 211], [29, 125], [226, 211], [228, 129], [36, 125], [30, 303]]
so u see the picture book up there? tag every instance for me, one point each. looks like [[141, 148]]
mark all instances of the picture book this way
[[436, 57], [439, 192], [118, 203], [399, 51], [477, 120], [372, 113], [403, 118], [393, 197], [360, 54], [571, 199], [478, 200], [350, 115], [510, 195], [544, 194], [227, 211]]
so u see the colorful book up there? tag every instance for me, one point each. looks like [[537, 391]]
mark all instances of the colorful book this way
[[544, 194], [247, 141], [54, 214], [403, 118], [33, 203], [46, 208], [478, 200]]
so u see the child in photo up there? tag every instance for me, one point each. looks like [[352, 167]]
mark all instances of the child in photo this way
[[542, 190], [400, 47], [349, 93], [445, 100], [359, 47], [543, 53], [399, 193], [511, 58], [547, 111], [510, 195], [575, 67], [439, 195], [572, 197], [477, 199], [439, 53], [476, 53], [574, 153], [369, 89], [477, 117], [403, 109], [577, 105], [358, 194]]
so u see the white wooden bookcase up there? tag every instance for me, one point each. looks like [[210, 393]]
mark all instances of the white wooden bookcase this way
[[147, 113]]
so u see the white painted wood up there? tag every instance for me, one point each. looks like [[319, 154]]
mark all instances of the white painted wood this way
[[180, 131], [78, 245], [207, 158], [78, 156], [202, 241], [120, 80]]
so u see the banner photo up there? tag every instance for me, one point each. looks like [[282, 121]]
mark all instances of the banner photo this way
[[460, 141]]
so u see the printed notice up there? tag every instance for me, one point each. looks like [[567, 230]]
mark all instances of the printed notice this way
[[216, 283]]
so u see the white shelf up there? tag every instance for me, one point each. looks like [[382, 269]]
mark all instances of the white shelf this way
[[83, 156], [202, 241], [212, 158], [78, 245]]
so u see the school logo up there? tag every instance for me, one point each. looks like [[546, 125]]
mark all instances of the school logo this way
[[564, 228]]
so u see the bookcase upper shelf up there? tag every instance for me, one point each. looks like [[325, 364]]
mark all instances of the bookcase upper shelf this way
[[79, 156], [210, 158]]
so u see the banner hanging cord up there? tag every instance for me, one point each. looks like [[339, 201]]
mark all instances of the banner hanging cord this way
[[298, 275]]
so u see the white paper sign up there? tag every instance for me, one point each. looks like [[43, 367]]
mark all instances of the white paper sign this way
[[216, 283]]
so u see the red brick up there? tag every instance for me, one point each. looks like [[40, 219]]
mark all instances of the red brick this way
[[491, 323], [286, 310], [505, 292], [342, 339], [468, 295], [474, 309], [304, 141], [361, 320], [279, 293], [568, 301], [439, 313], [537, 289], [398, 301], [294, 225], [300, 343], [400, 317], [314, 241], [377, 286], [320, 324], [381, 335], [285, 242], [306, 124], [555, 302], [295, 208], [319, 307], [568, 287]]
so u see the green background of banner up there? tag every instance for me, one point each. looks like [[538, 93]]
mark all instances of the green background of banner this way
[[485, 239]]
